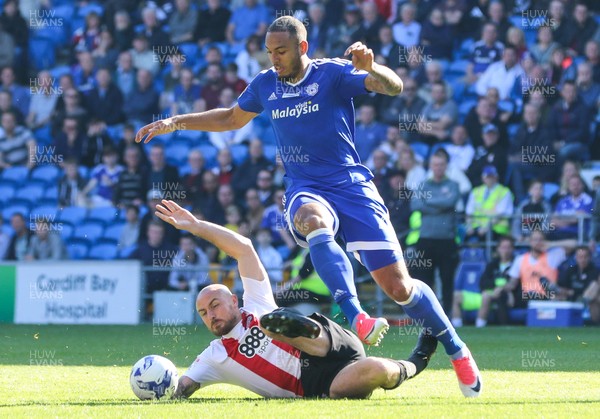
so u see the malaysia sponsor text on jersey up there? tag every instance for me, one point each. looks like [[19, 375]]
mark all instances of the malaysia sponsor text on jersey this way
[[295, 111]]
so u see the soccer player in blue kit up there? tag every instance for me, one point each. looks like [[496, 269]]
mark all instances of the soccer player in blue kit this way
[[329, 192]]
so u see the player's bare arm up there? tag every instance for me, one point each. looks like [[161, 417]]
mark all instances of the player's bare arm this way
[[185, 388], [215, 120], [232, 243], [381, 79]]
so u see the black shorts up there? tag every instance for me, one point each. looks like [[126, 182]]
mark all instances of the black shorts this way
[[318, 372]]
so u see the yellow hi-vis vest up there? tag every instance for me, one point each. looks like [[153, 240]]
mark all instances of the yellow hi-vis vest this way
[[313, 282], [414, 222], [487, 207]]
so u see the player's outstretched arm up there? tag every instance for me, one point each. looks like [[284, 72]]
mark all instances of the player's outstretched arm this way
[[185, 388], [381, 79], [232, 243], [215, 120]]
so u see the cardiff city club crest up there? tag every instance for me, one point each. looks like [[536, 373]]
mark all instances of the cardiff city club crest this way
[[312, 89]]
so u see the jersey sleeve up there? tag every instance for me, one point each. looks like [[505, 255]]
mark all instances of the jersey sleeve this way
[[249, 100], [352, 81], [515, 268], [203, 371], [258, 296]]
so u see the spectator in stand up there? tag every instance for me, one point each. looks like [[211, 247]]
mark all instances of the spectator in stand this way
[[415, 173], [269, 256], [212, 23], [592, 56], [265, 188], [107, 52], [248, 65], [131, 228], [71, 143], [4, 241], [404, 109], [530, 154], [531, 213], [225, 167], [591, 297], [252, 18], [407, 31], [128, 139], [162, 176], [43, 102], [501, 116], [437, 200], [556, 13], [73, 108], [254, 211], [15, 24], [343, 34], [206, 202], [579, 29], [103, 180], [192, 180], [380, 167], [594, 236], [493, 285], [123, 31], [569, 169], [225, 139], [125, 75], [576, 203], [501, 74], [20, 94], [437, 36], [214, 84], [84, 72], [182, 22], [491, 152], [569, 125], [497, 15], [545, 46], [560, 67], [152, 251], [17, 145], [397, 199], [455, 174], [213, 55], [6, 105], [589, 90], [105, 101], [538, 99], [461, 151], [489, 206], [535, 273], [19, 243], [46, 243], [225, 199], [142, 104], [386, 49], [151, 29], [368, 132], [171, 76], [439, 116], [515, 38], [186, 94], [71, 185], [317, 29], [576, 279], [142, 57], [170, 234], [245, 175], [371, 22], [131, 186], [87, 38], [274, 221], [486, 51], [189, 256], [232, 79], [435, 74]]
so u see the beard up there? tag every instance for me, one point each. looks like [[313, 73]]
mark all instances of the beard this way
[[224, 326], [294, 71]]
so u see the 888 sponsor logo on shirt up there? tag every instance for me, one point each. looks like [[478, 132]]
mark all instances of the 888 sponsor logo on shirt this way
[[254, 341]]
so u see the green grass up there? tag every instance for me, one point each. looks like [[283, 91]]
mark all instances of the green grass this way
[[527, 373]]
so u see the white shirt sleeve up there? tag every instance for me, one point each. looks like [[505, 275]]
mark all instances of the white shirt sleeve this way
[[505, 206], [515, 268], [556, 256], [258, 296], [202, 370]]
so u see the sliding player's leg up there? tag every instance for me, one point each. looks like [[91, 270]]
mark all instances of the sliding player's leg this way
[[314, 225]]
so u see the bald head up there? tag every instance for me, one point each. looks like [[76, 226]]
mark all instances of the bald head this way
[[218, 308]]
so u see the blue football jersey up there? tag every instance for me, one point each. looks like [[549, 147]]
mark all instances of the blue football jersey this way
[[313, 120]]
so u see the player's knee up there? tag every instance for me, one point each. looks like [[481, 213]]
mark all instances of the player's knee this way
[[306, 221], [395, 281]]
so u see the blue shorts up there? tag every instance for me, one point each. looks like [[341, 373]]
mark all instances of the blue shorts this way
[[361, 220]]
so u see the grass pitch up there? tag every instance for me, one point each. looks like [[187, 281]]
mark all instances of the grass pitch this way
[[83, 371]]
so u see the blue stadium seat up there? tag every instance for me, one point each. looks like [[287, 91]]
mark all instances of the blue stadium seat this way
[[125, 252], [7, 229], [18, 174], [44, 212], [270, 151], [83, 11], [239, 153], [115, 132], [103, 251], [15, 208], [550, 189], [66, 230], [465, 107], [47, 173], [30, 192], [78, 248], [195, 138], [113, 231], [51, 193], [472, 254], [468, 275], [59, 71], [421, 149], [84, 172], [177, 154], [210, 154], [73, 215], [7, 190], [41, 53], [458, 67], [190, 53], [103, 214], [90, 230]]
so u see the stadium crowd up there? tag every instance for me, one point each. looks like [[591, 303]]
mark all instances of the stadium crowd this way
[[498, 117]]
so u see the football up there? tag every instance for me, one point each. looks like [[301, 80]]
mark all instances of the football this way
[[154, 378]]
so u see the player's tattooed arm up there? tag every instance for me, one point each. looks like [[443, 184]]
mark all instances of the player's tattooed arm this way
[[185, 388], [382, 79]]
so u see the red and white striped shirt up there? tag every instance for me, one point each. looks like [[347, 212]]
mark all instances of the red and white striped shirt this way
[[247, 357]]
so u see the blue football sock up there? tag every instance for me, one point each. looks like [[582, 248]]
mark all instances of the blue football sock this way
[[424, 307], [334, 268]]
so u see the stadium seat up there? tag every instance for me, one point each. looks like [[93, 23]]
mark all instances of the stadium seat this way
[[30, 192], [51, 193], [421, 149], [472, 254], [44, 212], [84, 172], [465, 107], [113, 231], [468, 275], [550, 189], [103, 251], [270, 151], [77, 248], [7, 229], [7, 190], [458, 67], [239, 153], [125, 252], [73, 215], [189, 51], [66, 230], [115, 132], [15, 208], [47, 173], [18, 174], [103, 214], [41, 53], [90, 230], [210, 154], [177, 154], [83, 11]]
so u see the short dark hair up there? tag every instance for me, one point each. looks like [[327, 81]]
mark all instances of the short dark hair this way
[[134, 208], [584, 248], [291, 25], [506, 238], [441, 152]]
